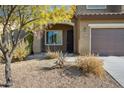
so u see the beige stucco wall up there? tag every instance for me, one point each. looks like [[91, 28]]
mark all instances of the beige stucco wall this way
[[84, 34], [37, 43], [122, 8]]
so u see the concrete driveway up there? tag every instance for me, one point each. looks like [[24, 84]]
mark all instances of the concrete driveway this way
[[115, 66]]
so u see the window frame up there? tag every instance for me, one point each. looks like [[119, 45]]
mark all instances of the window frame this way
[[54, 31], [105, 7]]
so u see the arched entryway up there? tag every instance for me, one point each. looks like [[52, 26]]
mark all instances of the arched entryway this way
[[59, 37]]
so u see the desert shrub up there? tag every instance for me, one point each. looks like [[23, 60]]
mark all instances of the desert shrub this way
[[22, 51], [60, 61], [52, 55], [91, 64]]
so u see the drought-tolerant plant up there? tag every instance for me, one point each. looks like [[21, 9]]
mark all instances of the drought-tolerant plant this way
[[22, 51], [60, 61], [91, 64], [52, 55]]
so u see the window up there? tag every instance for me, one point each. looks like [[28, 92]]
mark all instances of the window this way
[[60, 6], [53, 37], [96, 6]]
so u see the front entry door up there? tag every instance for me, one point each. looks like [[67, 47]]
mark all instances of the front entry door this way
[[70, 41]]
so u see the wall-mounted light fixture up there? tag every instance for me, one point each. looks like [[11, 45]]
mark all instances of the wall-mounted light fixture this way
[[84, 29]]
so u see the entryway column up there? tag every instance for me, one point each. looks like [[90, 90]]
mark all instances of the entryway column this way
[[37, 42]]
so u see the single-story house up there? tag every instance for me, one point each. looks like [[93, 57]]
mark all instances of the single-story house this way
[[95, 29]]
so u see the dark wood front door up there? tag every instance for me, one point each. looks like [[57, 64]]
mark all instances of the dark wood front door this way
[[70, 41]]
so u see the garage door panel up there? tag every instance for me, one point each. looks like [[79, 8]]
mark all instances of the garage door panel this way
[[107, 42]]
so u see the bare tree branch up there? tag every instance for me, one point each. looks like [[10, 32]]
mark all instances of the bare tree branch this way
[[8, 17], [30, 21], [6, 23], [19, 41], [4, 12]]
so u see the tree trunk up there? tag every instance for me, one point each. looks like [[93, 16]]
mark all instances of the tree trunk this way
[[8, 76]]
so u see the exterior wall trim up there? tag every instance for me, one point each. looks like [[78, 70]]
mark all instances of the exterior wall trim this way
[[105, 25], [67, 23], [116, 25]]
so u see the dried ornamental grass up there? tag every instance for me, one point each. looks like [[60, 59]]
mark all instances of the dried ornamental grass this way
[[21, 51], [91, 64], [52, 55]]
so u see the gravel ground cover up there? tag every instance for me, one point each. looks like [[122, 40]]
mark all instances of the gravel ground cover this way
[[36, 74]]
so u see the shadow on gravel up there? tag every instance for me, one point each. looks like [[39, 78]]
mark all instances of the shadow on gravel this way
[[69, 71], [2, 62], [72, 71], [2, 85], [47, 68]]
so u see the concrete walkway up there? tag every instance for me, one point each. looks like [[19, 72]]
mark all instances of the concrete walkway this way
[[115, 67]]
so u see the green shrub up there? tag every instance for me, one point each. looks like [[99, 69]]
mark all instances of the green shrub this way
[[30, 38], [91, 64]]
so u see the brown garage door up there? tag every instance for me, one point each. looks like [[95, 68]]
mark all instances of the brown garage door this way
[[107, 42]]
